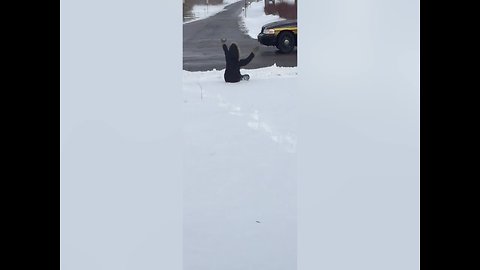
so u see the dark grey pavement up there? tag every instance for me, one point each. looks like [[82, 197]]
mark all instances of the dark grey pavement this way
[[202, 49]]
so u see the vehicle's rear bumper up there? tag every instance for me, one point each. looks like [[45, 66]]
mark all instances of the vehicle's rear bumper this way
[[269, 40]]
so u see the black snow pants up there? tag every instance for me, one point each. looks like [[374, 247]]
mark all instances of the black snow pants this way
[[232, 70]]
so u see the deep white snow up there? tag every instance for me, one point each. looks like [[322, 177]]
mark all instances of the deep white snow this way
[[239, 170], [255, 19]]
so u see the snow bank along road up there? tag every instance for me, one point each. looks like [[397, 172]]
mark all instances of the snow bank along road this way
[[202, 49], [239, 187]]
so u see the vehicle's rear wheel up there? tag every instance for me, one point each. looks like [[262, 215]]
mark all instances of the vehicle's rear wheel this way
[[285, 42]]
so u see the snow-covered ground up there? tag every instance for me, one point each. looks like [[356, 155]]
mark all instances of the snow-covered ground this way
[[200, 12], [239, 170], [256, 18]]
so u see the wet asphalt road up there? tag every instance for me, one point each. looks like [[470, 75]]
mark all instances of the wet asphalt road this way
[[202, 49]]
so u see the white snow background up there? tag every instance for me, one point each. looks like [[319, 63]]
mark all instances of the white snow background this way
[[255, 19], [239, 170], [240, 165]]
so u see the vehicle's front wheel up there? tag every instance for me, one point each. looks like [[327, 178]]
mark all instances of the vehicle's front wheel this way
[[285, 42]]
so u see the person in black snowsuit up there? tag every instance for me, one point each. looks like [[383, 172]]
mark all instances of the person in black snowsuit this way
[[232, 70]]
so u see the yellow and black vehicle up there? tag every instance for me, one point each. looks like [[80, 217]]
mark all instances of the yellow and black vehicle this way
[[282, 34]]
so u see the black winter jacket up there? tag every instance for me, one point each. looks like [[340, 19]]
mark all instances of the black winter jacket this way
[[232, 70]]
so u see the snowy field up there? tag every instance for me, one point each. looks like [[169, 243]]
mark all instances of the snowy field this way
[[256, 18], [240, 170], [200, 12]]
